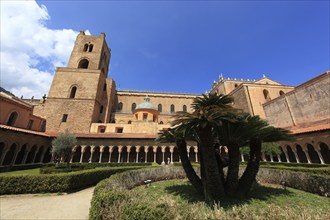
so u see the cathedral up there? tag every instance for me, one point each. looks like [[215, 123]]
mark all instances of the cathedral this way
[[114, 125]]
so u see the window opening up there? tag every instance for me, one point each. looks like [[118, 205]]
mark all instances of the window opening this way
[[12, 119], [160, 107], [65, 118], [133, 106], [172, 108], [73, 92], [184, 108]]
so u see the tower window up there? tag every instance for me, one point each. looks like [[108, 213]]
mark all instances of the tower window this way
[[85, 47], [120, 106], [83, 64], [119, 130], [129, 122], [105, 87], [90, 49], [266, 95], [12, 119], [101, 109], [73, 92], [101, 129], [184, 108], [133, 106], [65, 118], [281, 92], [172, 108], [160, 107], [145, 116]]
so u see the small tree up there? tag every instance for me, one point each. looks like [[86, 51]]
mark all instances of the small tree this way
[[63, 144]]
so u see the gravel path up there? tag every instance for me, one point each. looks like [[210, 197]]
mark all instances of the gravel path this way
[[46, 206]]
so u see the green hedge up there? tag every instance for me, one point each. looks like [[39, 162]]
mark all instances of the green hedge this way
[[66, 182], [9, 168]]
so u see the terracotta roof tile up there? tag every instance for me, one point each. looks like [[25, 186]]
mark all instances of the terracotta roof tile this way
[[7, 127], [311, 129]]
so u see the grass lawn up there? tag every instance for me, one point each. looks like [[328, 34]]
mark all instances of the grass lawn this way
[[21, 172], [266, 202]]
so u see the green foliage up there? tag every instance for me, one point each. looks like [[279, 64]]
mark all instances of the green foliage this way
[[63, 144], [9, 168], [137, 211], [63, 182], [271, 148]]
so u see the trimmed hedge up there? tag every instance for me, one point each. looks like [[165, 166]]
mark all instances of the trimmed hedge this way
[[114, 189], [9, 168], [64, 182]]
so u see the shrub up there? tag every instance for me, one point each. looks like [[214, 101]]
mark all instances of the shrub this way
[[64, 182], [21, 167]]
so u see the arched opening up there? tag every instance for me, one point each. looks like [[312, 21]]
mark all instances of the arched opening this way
[[39, 154], [87, 154], [301, 154], [12, 119], [48, 155], [133, 107], [129, 122], [236, 85], [184, 108], [167, 155], [105, 154], [32, 154], [176, 157], [73, 92], [191, 154], [120, 107], [291, 155], [325, 152], [96, 154], [172, 108], [150, 155], [160, 108], [159, 155], [20, 155], [114, 154], [123, 156], [313, 154], [10, 155], [2, 149], [85, 47], [101, 109], [161, 122], [266, 95], [281, 92], [132, 154], [77, 154], [83, 64]]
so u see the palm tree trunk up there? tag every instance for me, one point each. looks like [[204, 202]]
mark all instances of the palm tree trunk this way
[[252, 168], [220, 163], [213, 185], [233, 169], [190, 172]]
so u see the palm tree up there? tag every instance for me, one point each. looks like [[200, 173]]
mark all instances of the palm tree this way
[[209, 112], [170, 136]]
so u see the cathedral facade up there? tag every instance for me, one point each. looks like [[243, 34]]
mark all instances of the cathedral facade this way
[[121, 126]]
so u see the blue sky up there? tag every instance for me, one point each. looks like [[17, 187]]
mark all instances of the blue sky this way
[[184, 46]]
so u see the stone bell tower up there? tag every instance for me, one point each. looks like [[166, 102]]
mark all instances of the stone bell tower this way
[[80, 93]]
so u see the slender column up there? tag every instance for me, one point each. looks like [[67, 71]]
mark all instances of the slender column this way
[[34, 156], [52, 157], [242, 157], [320, 155], [179, 159], [3, 157], [307, 155], [271, 158], [71, 159], [155, 152], [137, 150], [26, 154], [83, 147], [196, 154], [128, 147], [110, 152], [263, 157], [171, 151], [163, 152], [286, 155], [73, 152], [296, 155], [119, 152], [279, 158], [15, 156], [188, 150], [92, 152], [146, 148]]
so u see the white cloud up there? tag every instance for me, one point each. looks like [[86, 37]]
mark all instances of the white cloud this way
[[29, 50]]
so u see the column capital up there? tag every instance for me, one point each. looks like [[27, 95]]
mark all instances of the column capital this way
[[154, 148], [110, 149], [120, 148]]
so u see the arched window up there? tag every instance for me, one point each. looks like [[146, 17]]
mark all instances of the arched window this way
[[184, 108], [73, 92], [266, 95], [161, 122], [172, 108], [133, 106], [160, 108], [120, 107], [104, 87], [236, 85], [85, 47], [90, 49], [83, 64], [281, 92], [12, 119], [129, 122], [101, 109]]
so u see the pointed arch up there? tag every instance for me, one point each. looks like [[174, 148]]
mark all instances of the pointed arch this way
[[12, 118], [83, 64]]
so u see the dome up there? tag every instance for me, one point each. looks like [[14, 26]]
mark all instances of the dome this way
[[146, 104]]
